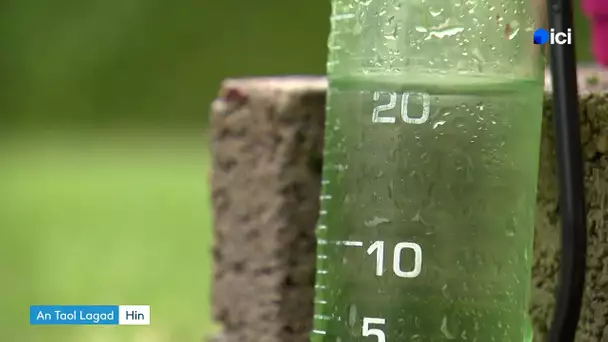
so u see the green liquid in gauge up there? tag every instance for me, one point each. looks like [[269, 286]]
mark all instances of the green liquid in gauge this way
[[428, 203]]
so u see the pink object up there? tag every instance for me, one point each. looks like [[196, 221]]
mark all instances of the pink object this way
[[597, 11]]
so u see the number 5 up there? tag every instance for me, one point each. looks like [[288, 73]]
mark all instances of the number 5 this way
[[373, 332]]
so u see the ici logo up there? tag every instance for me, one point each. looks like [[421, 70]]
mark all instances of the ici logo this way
[[542, 36]]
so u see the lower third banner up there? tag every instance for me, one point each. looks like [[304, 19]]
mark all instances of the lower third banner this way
[[90, 314]]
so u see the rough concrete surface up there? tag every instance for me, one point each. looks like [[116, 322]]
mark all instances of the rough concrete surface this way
[[267, 147], [267, 140]]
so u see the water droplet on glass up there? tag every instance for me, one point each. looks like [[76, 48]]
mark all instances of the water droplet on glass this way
[[513, 34], [418, 218], [444, 329], [438, 123], [376, 221], [444, 290], [421, 29], [392, 35], [446, 32], [352, 315], [512, 29], [435, 11]]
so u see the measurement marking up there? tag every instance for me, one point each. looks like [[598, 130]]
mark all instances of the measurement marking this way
[[322, 271], [320, 287], [351, 243], [342, 16], [322, 227], [323, 317], [320, 301], [324, 182], [325, 197], [319, 332], [321, 256], [323, 212], [341, 243]]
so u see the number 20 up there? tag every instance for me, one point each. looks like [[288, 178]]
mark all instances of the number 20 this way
[[405, 97]]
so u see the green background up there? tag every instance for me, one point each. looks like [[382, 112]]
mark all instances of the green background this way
[[103, 149]]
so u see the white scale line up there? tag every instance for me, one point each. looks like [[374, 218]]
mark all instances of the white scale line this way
[[324, 182], [320, 301], [322, 227], [323, 212], [320, 287], [321, 256], [325, 197], [323, 317], [319, 332], [342, 16], [341, 243], [350, 243], [322, 272]]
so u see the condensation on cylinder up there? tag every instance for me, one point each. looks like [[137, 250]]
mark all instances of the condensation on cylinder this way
[[430, 171]]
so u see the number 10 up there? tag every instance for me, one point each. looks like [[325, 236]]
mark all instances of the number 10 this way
[[379, 246]]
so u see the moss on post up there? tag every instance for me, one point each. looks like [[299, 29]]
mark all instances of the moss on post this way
[[594, 134]]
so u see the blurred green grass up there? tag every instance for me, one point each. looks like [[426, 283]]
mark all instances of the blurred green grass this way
[[105, 218]]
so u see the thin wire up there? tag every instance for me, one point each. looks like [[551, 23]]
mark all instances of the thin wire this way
[[570, 170]]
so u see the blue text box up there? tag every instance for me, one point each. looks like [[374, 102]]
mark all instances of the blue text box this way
[[74, 314]]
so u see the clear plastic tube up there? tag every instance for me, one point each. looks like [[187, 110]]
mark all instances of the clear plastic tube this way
[[430, 172]]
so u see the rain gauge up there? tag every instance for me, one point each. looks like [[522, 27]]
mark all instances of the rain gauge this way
[[428, 200]]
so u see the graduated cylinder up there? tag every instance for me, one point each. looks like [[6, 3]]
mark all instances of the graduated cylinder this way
[[429, 181]]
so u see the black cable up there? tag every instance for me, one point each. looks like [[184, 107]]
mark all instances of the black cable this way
[[570, 171]]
